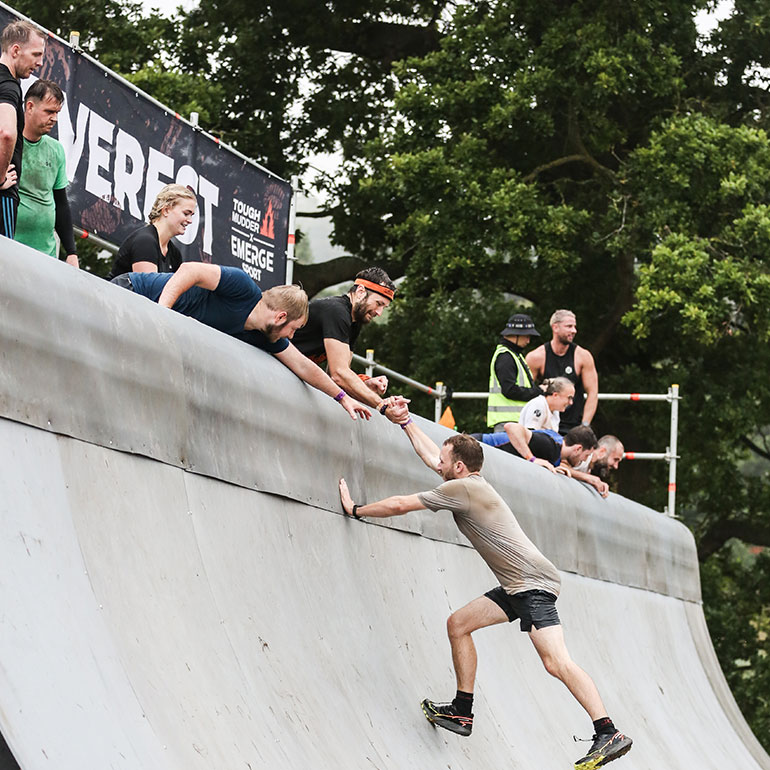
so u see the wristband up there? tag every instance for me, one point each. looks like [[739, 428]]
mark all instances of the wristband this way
[[340, 396], [364, 377], [382, 409], [404, 424], [354, 514], [531, 459]]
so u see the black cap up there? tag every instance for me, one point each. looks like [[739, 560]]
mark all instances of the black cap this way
[[520, 325]]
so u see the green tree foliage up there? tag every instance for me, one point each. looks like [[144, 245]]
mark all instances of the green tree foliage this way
[[534, 154], [592, 157], [736, 595], [303, 76]]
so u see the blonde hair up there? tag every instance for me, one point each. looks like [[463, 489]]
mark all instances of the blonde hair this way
[[290, 298], [562, 315], [19, 33], [168, 196], [557, 385]]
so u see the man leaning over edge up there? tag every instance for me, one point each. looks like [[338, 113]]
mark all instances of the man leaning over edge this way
[[227, 299]]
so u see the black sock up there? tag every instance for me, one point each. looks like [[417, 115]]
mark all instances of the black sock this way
[[463, 703], [604, 726]]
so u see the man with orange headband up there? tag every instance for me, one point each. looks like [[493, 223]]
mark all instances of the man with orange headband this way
[[333, 327]]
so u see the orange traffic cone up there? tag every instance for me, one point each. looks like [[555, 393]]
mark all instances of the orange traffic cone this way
[[448, 419]]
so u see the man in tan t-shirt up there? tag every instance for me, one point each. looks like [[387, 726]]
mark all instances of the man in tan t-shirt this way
[[529, 586]]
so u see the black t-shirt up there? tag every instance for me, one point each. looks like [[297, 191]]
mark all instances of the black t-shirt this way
[[330, 318], [541, 445], [10, 93], [143, 245]]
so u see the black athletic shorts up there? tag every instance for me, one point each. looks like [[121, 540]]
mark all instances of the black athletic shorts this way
[[533, 608]]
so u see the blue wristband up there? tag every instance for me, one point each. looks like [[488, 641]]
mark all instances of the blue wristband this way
[[340, 396]]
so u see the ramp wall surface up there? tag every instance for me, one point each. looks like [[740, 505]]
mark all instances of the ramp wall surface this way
[[180, 590]]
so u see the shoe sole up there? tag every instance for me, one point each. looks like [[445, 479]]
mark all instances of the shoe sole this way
[[452, 727], [605, 760]]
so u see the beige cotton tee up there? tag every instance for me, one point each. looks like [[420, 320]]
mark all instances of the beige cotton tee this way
[[484, 518]]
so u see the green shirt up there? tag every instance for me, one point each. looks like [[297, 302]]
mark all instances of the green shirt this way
[[44, 170]]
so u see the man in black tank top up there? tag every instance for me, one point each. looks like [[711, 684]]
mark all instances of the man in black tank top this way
[[561, 357]]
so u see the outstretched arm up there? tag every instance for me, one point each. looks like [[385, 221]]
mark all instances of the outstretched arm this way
[[390, 506], [600, 486], [188, 275], [519, 436], [426, 449], [338, 356], [313, 375]]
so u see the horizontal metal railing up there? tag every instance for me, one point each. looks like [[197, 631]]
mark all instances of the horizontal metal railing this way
[[439, 393]]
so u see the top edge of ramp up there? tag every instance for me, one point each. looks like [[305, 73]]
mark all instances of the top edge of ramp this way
[[87, 359]]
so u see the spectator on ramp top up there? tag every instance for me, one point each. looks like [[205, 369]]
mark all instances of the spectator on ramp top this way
[[43, 205], [333, 328], [543, 447], [529, 586], [150, 248], [228, 300], [609, 456], [22, 45], [543, 411]]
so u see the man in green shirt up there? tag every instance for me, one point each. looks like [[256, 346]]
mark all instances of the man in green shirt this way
[[43, 204]]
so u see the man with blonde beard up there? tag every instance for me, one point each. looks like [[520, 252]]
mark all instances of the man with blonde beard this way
[[227, 299], [561, 357]]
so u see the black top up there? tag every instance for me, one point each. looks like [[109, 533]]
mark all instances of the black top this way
[[330, 318], [540, 444], [564, 366], [143, 245], [10, 93], [507, 374]]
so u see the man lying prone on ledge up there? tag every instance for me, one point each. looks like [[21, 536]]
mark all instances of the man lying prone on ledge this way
[[229, 300], [548, 448]]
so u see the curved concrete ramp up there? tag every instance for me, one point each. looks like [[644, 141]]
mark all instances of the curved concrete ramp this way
[[180, 591]]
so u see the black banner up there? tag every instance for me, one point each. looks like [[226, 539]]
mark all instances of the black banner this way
[[122, 147]]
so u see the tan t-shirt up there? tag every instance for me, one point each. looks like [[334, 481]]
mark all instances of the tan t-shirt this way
[[484, 518]]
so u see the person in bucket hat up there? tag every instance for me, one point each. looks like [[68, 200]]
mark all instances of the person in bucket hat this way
[[511, 383]]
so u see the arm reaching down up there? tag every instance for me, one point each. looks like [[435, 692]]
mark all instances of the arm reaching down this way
[[313, 375], [600, 486]]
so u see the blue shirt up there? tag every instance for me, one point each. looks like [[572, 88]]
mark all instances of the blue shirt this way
[[500, 438], [225, 308]]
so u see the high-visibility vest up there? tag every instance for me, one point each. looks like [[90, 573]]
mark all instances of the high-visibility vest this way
[[500, 408]]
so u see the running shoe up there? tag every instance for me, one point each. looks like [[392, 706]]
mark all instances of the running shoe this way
[[605, 748], [445, 715]]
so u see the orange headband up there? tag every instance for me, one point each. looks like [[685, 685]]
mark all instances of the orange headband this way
[[375, 287]]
